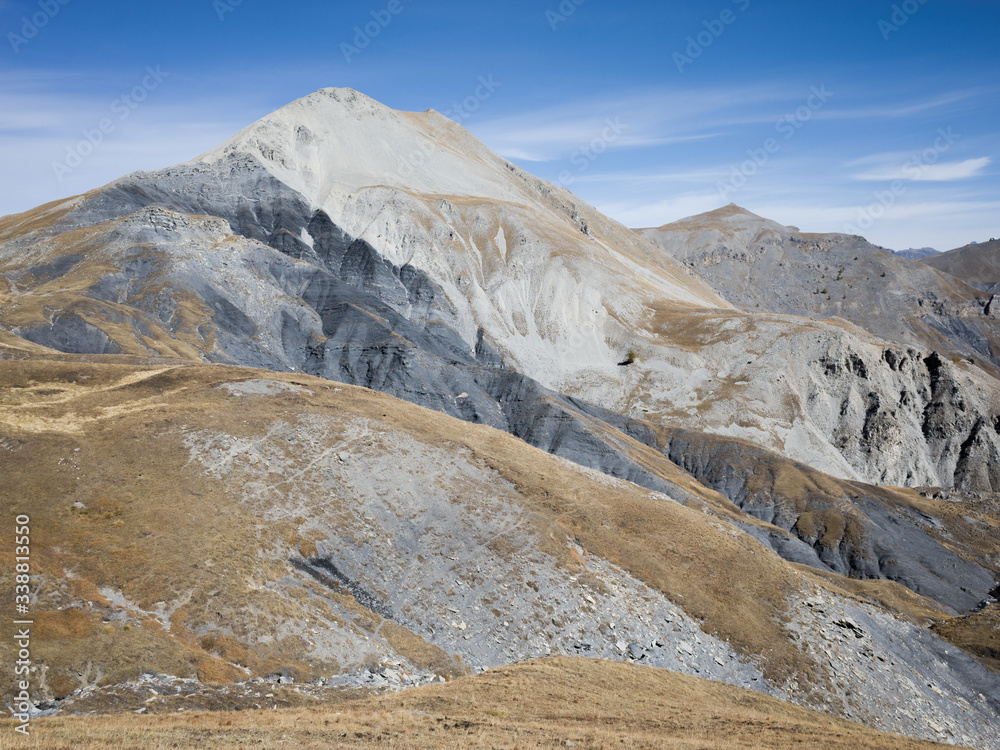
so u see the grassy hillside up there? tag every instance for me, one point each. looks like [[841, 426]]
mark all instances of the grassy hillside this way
[[124, 517], [558, 702]]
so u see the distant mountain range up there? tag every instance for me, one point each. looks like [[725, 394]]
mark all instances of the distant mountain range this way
[[916, 253]]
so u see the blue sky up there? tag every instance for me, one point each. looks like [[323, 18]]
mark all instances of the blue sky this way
[[873, 116]]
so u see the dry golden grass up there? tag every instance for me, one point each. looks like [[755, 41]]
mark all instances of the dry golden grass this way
[[39, 218], [546, 703], [108, 433], [108, 436], [162, 520]]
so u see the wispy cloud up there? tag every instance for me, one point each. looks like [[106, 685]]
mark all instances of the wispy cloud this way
[[664, 117], [546, 144], [896, 110], [653, 118], [41, 121], [943, 172], [667, 164], [663, 211], [637, 179]]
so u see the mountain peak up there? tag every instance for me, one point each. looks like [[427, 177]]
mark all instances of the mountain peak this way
[[727, 218], [735, 209], [339, 97], [336, 141]]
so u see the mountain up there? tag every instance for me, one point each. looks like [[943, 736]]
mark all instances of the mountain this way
[[432, 268], [936, 320], [978, 265], [395, 365], [916, 253], [761, 265], [226, 523]]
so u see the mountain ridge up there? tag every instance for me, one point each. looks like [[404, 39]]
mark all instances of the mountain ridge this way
[[535, 291], [723, 245], [505, 306]]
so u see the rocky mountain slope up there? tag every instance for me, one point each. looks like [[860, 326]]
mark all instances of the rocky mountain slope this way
[[254, 523], [977, 265], [759, 264], [187, 265], [849, 528], [413, 268], [710, 504]]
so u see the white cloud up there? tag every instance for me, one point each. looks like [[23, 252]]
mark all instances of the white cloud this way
[[152, 138], [918, 171], [931, 214], [40, 120], [890, 111], [659, 212], [652, 118], [663, 117]]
